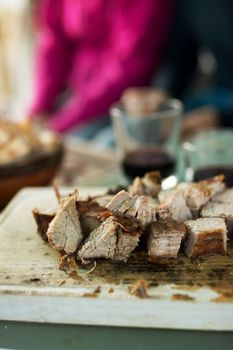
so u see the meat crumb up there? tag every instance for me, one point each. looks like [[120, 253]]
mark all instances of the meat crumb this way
[[63, 282], [225, 295], [67, 263], [139, 289], [182, 297], [74, 275], [110, 290], [93, 294], [35, 279]]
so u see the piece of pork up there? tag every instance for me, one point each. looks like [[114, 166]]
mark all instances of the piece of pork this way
[[165, 239], [182, 187], [126, 205], [64, 231], [149, 185], [205, 236], [146, 212], [142, 208], [222, 210], [128, 235], [198, 194], [113, 239], [101, 242], [174, 207], [120, 198], [126, 244], [91, 215], [122, 202]]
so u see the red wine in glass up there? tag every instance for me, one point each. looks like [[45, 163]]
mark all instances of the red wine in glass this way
[[211, 171], [140, 161]]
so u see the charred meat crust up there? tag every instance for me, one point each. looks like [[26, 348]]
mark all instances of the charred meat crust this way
[[90, 217], [205, 236], [220, 210], [43, 220]]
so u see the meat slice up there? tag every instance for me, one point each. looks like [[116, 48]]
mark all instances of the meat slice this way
[[129, 203], [146, 211], [142, 208], [136, 187], [126, 244], [101, 242], [182, 187], [174, 207], [205, 236], [117, 201], [222, 210], [43, 219], [90, 215], [121, 202], [165, 239], [224, 197], [200, 193], [149, 185], [64, 232], [114, 239]]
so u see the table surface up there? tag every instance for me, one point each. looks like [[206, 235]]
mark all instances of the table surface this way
[[87, 166], [37, 336], [84, 165]]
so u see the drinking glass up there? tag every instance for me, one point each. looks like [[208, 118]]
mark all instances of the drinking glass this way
[[210, 153], [147, 142]]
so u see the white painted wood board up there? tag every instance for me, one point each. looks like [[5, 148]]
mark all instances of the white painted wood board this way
[[32, 288]]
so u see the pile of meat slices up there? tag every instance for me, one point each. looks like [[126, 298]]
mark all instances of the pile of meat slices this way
[[193, 217]]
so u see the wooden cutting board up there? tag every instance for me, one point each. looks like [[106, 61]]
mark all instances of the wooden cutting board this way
[[181, 294]]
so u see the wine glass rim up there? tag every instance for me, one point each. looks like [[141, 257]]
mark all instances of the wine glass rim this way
[[170, 106]]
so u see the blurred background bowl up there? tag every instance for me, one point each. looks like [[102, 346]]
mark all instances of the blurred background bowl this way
[[38, 169]]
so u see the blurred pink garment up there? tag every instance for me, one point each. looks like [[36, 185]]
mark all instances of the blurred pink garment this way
[[94, 49]]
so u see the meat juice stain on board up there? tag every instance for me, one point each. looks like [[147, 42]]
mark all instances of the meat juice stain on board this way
[[181, 271], [143, 160]]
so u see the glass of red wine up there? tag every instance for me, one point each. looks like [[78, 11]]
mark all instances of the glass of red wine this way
[[147, 142], [210, 153]]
